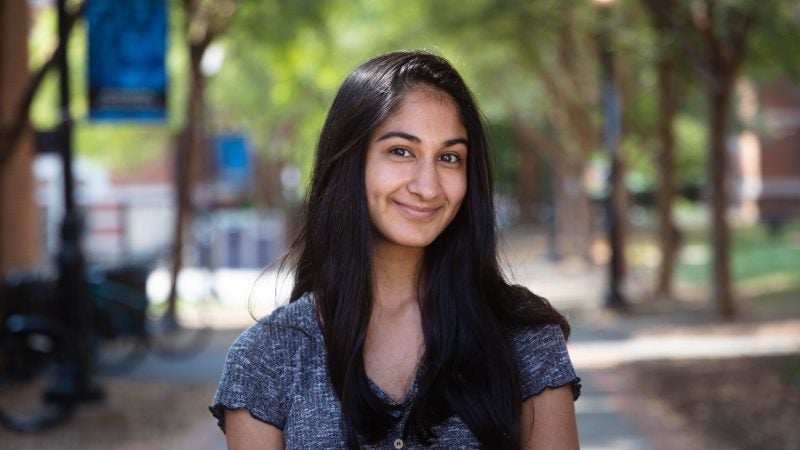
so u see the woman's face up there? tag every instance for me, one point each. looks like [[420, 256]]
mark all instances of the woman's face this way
[[416, 169]]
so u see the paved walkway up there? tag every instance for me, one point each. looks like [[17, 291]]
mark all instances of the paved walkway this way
[[611, 414]]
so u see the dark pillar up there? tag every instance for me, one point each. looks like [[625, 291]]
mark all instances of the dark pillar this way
[[612, 130], [74, 383]]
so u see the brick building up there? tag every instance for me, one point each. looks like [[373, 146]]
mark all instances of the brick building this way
[[780, 155]]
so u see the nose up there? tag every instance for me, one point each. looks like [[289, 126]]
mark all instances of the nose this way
[[425, 181]]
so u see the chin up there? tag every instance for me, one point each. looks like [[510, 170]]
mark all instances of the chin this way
[[418, 242]]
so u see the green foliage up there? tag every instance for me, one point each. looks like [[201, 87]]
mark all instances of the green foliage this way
[[776, 42], [284, 60], [691, 138]]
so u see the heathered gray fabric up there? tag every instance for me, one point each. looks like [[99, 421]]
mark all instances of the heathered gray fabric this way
[[277, 370]]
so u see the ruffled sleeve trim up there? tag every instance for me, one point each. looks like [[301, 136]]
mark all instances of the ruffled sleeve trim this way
[[218, 411], [574, 384]]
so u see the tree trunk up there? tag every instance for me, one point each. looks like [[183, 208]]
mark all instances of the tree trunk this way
[[526, 185], [667, 230], [722, 30], [622, 226], [19, 221], [719, 101], [572, 213], [186, 164]]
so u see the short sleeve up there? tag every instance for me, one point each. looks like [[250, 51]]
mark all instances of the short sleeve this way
[[254, 376], [544, 361]]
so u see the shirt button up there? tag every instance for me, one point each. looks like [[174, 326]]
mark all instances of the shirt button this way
[[398, 443]]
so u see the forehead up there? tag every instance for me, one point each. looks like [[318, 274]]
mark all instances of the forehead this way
[[426, 110], [424, 94]]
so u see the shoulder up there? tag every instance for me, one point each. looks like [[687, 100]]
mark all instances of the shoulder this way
[[261, 366], [276, 344], [275, 340], [299, 316], [292, 323], [543, 359], [538, 338]]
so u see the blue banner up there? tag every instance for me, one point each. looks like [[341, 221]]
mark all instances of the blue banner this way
[[127, 50], [233, 161]]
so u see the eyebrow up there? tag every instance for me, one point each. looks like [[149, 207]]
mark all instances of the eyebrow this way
[[412, 138]]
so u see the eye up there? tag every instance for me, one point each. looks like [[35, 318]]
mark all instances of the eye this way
[[400, 151], [451, 158]]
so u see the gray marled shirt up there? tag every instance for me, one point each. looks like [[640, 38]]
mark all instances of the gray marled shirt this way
[[277, 370]]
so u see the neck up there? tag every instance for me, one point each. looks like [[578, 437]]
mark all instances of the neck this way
[[396, 276]]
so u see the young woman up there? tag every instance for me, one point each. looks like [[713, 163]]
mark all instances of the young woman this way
[[401, 331]]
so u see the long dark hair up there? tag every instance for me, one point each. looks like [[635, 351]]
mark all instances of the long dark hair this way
[[468, 308]]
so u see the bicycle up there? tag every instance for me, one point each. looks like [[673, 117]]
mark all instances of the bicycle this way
[[37, 348], [33, 351]]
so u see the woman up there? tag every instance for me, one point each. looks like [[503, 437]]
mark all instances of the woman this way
[[401, 331]]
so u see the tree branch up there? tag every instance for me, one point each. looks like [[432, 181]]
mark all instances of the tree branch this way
[[11, 135]]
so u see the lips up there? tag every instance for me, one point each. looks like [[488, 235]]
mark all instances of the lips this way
[[414, 212]]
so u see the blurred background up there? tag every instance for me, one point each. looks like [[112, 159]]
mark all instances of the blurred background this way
[[154, 155]]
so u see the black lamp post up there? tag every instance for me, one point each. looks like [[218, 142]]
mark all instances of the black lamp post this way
[[74, 382], [612, 129]]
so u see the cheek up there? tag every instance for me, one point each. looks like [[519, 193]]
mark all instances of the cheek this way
[[458, 189], [374, 189], [372, 177]]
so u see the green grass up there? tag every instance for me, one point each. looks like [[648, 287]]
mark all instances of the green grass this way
[[755, 256]]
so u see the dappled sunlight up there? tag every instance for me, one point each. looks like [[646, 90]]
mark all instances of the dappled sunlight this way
[[598, 354], [704, 382], [681, 329], [695, 254], [223, 298]]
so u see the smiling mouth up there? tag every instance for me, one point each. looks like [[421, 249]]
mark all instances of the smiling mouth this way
[[417, 212]]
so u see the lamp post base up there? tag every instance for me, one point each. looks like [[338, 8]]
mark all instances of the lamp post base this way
[[615, 300]]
